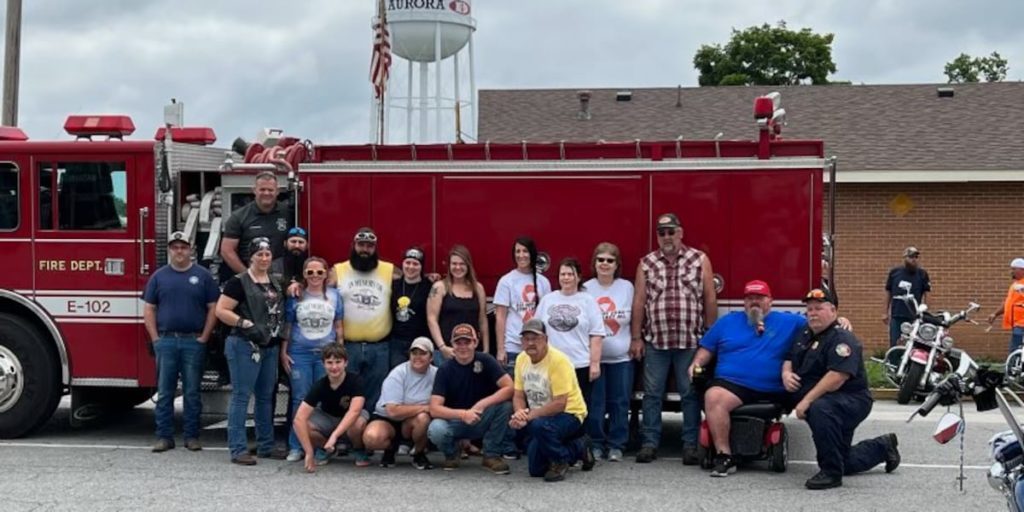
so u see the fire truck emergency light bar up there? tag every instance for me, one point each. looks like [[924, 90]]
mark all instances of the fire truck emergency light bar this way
[[112, 126]]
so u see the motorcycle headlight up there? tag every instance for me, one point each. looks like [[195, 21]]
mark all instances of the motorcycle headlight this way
[[947, 341], [927, 332], [906, 327], [996, 476]]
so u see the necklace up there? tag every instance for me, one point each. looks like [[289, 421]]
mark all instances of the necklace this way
[[404, 313]]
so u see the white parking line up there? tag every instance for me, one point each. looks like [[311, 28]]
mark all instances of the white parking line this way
[[224, 449]]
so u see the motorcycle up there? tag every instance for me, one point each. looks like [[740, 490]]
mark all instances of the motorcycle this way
[[926, 355], [988, 390]]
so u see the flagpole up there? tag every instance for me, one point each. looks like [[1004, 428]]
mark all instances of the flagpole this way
[[382, 15]]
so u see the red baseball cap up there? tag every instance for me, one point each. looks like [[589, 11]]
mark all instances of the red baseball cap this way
[[757, 287]]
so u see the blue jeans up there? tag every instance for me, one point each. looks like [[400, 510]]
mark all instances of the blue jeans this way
[[510, 366], [249, 378], [610, 394], [178, 356], [372, 361], [656, 366], [399, 351], [492, 428], [1016, 338], [552, 440], [307, 368], [895, 325]]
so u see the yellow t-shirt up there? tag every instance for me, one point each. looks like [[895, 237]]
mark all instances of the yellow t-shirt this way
[[1013, 308], [366, 297], [552, 376]]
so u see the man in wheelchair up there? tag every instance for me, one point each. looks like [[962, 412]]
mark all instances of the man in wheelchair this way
[[748, 349]]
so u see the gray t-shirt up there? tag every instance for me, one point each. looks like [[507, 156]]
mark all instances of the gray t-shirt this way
[[404, 386]]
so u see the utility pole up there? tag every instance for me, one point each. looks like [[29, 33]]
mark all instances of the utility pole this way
[[12, 63]]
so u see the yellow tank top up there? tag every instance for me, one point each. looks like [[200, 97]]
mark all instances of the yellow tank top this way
[[367, 301]]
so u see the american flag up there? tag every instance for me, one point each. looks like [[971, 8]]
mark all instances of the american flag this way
[[380, 64]]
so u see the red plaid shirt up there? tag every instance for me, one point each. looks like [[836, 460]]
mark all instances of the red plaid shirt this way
[[674, 312]]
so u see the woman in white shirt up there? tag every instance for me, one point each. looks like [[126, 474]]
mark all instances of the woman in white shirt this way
[[574, 324], [611, 392], [515, 300]]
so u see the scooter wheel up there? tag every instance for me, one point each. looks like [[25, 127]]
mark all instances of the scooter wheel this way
[[778, 455]]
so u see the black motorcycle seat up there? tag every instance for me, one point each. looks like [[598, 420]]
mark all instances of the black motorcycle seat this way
[[764, 411]]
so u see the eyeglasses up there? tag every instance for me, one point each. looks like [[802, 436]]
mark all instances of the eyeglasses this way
[[315, 272], [605, 260], [366, 236], [666, 232], [296, 231]]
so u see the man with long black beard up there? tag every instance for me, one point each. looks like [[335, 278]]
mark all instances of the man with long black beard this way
[[365, 285], [288, 268], [750, 346]]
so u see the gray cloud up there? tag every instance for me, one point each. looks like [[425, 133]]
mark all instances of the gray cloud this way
[[243, 65]]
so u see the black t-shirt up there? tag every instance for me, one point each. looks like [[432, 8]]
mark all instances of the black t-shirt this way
[[463, 385], [814, 355], [410, 322], [335, 401], [249, 222], [919, 285], [275, 303]]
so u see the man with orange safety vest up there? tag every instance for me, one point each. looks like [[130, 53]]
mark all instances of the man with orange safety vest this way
[[1013, 307]]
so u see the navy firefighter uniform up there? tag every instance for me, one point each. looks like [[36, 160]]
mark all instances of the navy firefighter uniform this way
[[834, 416]]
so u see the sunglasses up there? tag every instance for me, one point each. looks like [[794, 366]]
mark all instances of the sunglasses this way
[[605, 260], [315, 272], [296, 232], [415, 254], [666, 232], [365, 236]]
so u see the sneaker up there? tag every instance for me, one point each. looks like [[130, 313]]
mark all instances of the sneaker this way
[[244, 459], [362, 459], [646, 454], [450, 464], [420, 461], [823, 481], [615, 455], [690, 457], [341, 450], [388, 459], [724, 465], [321, 457], [162, 445], [193, 445], [514, 455], [892, 453], [295, 456], [404, 449], [556, 472], [589, 460], [496, 465]]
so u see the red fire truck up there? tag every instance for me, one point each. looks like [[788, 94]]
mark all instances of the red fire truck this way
[[83, 224]]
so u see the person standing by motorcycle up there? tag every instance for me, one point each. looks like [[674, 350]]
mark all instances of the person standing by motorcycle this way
[[897, 311], [1013, 307], [825, 369]]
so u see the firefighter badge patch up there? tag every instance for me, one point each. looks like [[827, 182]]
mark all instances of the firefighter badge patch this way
[[282, 224], [345, 402], [843, 350], [478, 367]]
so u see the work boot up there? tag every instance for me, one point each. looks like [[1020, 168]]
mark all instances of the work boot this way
[[556, 472], [588, 454], [450, 463], [245, 459], [690, 457], [646, 454], [823, 481], [496, 465], [892, 453], [193, 445], [162, 445]]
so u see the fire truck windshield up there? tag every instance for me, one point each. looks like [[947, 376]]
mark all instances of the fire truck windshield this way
[[90, 196]]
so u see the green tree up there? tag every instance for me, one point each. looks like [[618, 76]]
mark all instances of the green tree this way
[[767, 55], [967, 69]]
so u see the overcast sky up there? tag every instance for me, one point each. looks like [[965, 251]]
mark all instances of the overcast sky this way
[[240, 65]]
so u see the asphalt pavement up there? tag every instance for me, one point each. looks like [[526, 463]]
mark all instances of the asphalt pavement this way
[[108, 466]]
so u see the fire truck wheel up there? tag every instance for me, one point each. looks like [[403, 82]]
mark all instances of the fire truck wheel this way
[[29, 378]]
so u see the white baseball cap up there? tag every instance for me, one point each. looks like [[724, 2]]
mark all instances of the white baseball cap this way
[[1017, 263]]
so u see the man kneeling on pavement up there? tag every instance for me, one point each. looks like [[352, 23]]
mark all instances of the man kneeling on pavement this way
[[549, 407]]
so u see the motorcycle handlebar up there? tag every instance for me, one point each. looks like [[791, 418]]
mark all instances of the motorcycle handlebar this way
[[948, 390]]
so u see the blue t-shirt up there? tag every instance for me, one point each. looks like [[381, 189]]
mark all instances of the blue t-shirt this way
[[312, 319], [181, 298], [463, 385], [750, 360]]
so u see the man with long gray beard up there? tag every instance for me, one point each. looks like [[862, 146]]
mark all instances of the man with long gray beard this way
[[750, 347], [365, 285]]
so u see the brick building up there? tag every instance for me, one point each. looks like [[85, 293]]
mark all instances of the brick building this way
[[940, 167]]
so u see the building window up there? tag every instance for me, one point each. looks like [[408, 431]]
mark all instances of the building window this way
[[91, 196], [8, 196]]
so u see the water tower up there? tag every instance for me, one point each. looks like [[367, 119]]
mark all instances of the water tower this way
[[432, 77]]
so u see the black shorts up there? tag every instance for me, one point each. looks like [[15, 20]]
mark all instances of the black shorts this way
[[396, 424], [750, 396]]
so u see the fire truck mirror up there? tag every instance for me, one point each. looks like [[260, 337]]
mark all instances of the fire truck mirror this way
[[543, 262], [719, 282]]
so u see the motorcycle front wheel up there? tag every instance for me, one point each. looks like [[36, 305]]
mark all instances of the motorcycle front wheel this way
[[909, 385]]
